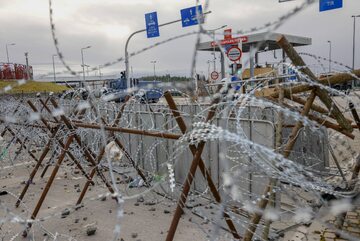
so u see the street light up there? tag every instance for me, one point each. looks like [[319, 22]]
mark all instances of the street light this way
[[54, 55], [7, 51], [353, 59], [154, 62], [329, 55], [99, 68], [213, 36], [83, 66], [127, 44]]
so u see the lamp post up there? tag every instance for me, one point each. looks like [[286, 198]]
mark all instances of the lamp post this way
[[7, 51], [99, 71], [329, 55], [53, 62], [208, 62], [140, 31], [154, 62], [83, 66], [27, 65], [353, 57], [213, 35]]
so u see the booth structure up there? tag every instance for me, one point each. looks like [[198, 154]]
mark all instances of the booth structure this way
[[261, 42]]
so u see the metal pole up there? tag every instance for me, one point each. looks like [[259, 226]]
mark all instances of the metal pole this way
[[7, 54], [213, 36], [83, 66], [222, 60], [7, 51], [27, 65], [127, 43], [329, 55], [252, 67], [154, 62], [54, 66], [214, 61], [353, 57]]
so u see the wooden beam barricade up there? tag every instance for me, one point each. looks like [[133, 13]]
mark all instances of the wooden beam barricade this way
[[190, 177], [87, 153], [45, 122], [322, 94], [255, 219], [205, 172], [49, 183]]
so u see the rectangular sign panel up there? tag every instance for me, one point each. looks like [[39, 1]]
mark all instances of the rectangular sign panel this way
[[326, 5], [188, 16], [243, 39], [152, 26]]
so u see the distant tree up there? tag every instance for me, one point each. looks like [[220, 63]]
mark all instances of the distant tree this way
[[166, 78]]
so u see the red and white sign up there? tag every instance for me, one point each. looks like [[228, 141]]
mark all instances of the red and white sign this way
[[227, 33], [231, 41], [214, 75], [234, 53]]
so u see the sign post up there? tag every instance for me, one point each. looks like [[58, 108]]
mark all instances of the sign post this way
[[152, 26]]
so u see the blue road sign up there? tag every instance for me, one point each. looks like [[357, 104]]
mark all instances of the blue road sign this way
[[188, 16], [152, 26], [326, 5]]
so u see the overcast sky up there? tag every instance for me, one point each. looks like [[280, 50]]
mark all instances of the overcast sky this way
[[106, 24]]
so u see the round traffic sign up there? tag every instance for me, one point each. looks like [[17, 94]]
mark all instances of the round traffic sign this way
[[234, 53], [214, 75]]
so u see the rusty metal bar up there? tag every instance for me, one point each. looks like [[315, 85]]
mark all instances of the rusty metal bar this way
[[49, 183], [187, 183], [255, 219], [128, 130], [322, 94], [22, 143], [36, 168], [86, 150], [91, 175], [354, 114], [205, 172], [59, 141]]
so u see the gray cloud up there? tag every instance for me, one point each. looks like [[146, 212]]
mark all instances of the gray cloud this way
[[105, 26]]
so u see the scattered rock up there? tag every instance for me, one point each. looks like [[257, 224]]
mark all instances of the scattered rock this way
[[140, 199], [134, 235], [77, 220], [90, 230], [3, 193], [149, 203], [110, 211], [85, 218], [152, 209], [76, 172], [103, 198], [65, 213], [166, 211], [136, 204]]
